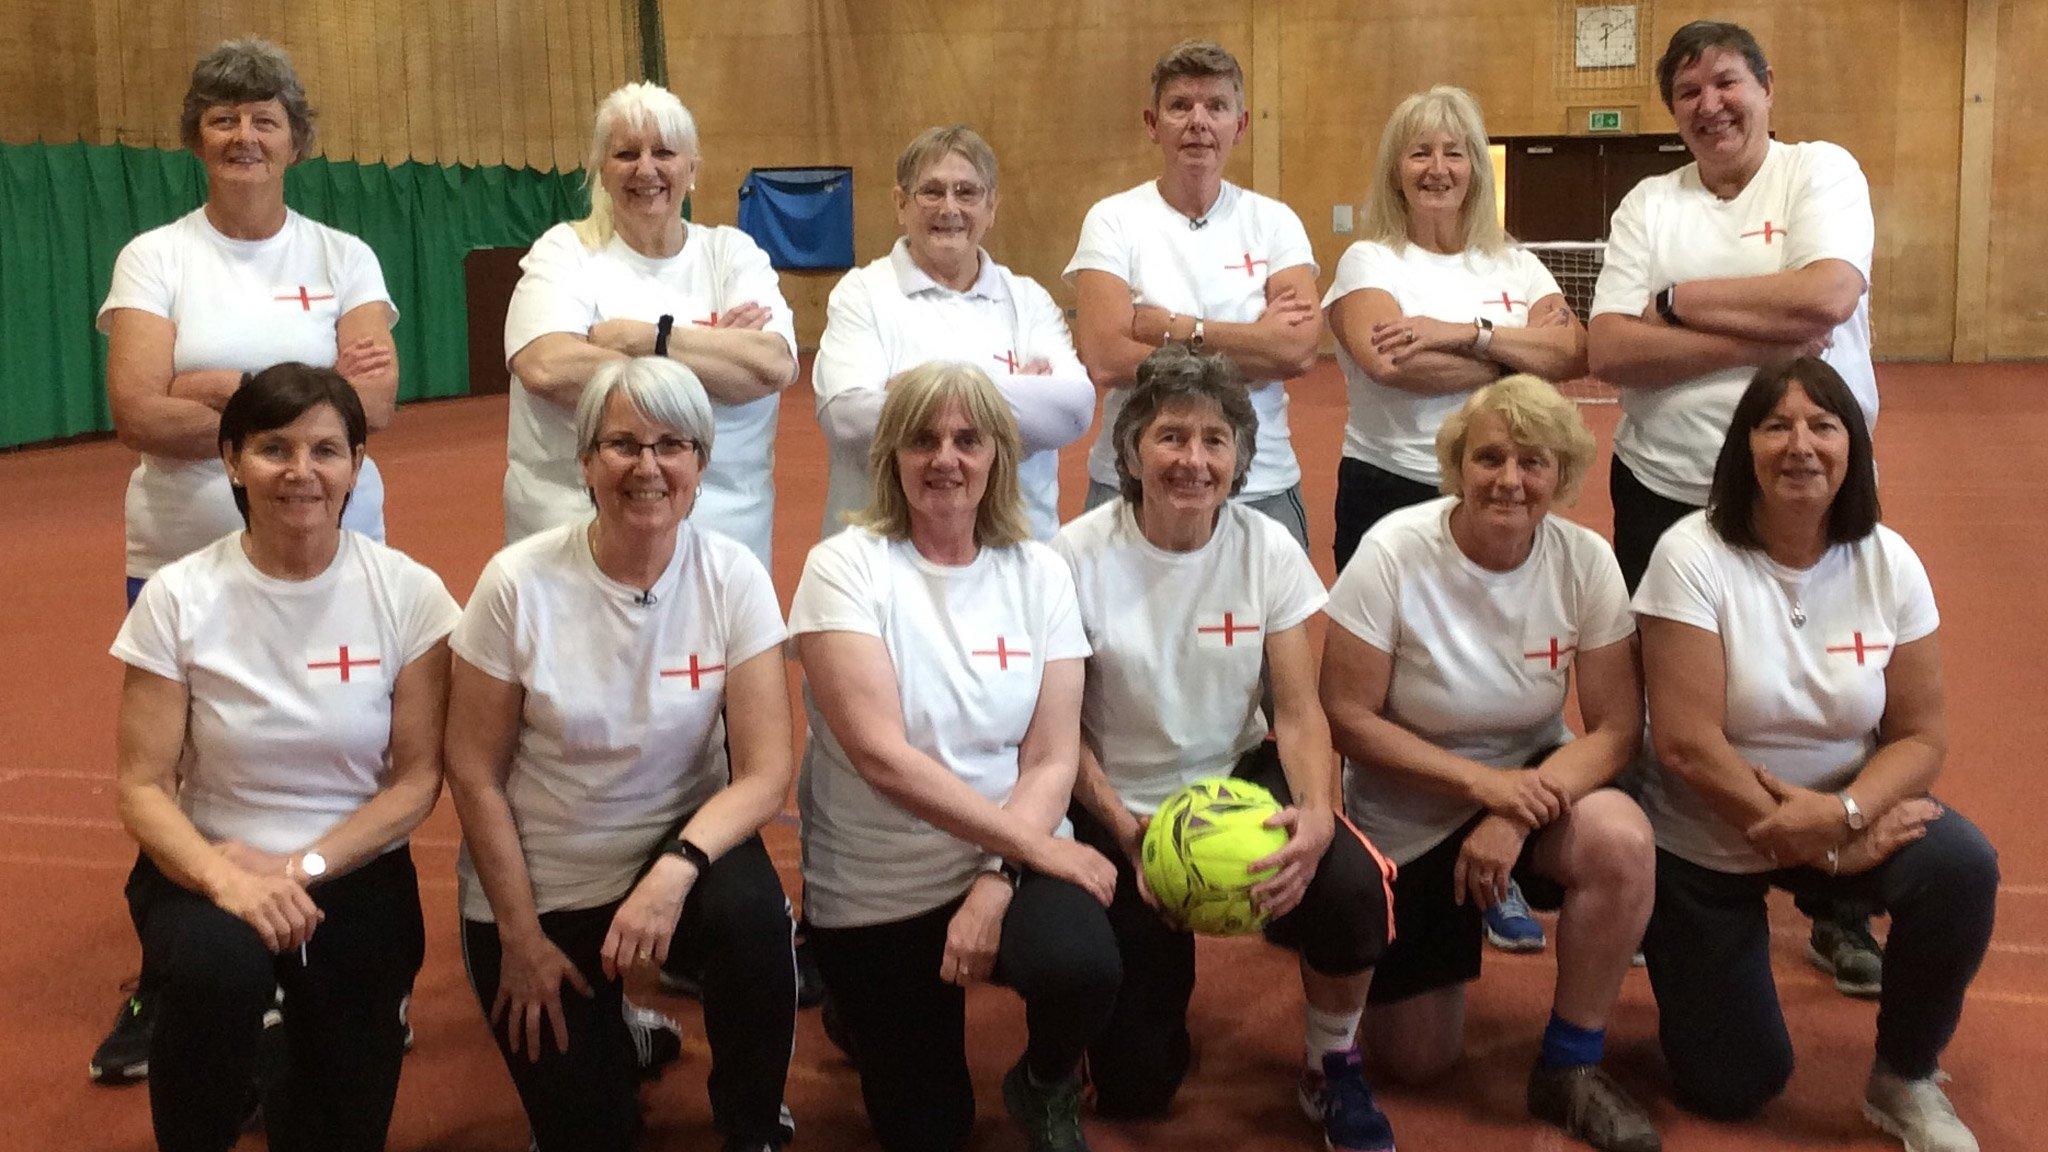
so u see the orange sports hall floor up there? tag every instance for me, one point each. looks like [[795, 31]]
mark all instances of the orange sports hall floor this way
[[1964, 451]]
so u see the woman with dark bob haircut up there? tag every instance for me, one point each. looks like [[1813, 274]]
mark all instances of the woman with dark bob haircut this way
[[280, 738], [1795, 691]]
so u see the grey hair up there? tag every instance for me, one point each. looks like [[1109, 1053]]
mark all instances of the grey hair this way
[[664, 391], [644, 105], [935, 144], [1179, 375], [243, 72]]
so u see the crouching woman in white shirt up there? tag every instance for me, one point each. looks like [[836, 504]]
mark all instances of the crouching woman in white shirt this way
[[1796, 706], [604, 668], [280, 739], [1458, 628], [942, 654]]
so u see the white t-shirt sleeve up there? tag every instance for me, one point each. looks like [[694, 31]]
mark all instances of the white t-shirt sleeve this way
[[1290, 245], [1918, 617], [432, 613], [1366, 601], [149, 636], [1102, 247], [1682, 582], [1831, 217], [140, 280], [1366, 264], [751, 279], [555, 292], [1624, 285], [1066, 639], [484, 635], [1537, 282], [755, 617], [1293, 590], [852, 366], [359, 278], [1605, 615], [837, 592]]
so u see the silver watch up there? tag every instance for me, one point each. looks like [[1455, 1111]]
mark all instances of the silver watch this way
[[1857, 820]]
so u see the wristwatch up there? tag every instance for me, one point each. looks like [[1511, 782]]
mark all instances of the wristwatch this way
[[1195, 337], [1667, 306], [311, 865], [1482, 335], [1857, 820], [698, 858]]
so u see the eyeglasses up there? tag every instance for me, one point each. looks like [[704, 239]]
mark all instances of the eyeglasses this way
[[627, 449], [964, 194]]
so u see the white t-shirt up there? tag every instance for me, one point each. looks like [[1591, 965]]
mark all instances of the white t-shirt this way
[[1394, 429], [565, 287], [1804, 702], [623, 732], [890, 316], [969, 645], [1179, 637], [1217, 272], [1808, 202], [289, 727], [1482, 659], [243, 305]]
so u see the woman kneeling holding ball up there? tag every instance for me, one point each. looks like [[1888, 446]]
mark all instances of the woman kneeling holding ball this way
[[1185, 598]]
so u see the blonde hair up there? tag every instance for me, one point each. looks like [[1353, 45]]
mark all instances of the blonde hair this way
[[646, 106], [1453, 112], [916, 397], [1537, 416]]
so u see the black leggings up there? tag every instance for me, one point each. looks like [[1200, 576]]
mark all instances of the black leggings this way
[[214, 980], [737, 918], [1340, 928], [1641, 517], [1365, 494], [909, 1026], [1709, 950]]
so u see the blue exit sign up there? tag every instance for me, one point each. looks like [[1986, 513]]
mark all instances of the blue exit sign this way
[[1603, 120]]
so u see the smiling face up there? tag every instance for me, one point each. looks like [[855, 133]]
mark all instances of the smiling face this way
[[1196, 122], [945, 213], [1503, 484], [1435, 173], [247, 143], [638, 489], [1723, 110], [1800, 452], [944, 468], [1187, 459], [646, 178], [298, 477]]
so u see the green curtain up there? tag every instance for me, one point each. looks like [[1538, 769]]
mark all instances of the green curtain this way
[[67, 209]]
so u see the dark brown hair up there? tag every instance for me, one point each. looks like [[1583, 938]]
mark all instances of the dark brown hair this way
[[1731, 501]]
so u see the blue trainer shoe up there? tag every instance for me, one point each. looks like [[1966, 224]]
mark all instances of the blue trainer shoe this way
[[1511, 927], [1339, 1099]]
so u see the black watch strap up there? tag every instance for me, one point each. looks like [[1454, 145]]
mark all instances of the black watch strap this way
[[1665, 307], [697, 857], [662, 328]]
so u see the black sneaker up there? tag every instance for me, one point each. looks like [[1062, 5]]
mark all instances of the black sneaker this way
[[1050, 1116], [1849, 953], [123, 1057]]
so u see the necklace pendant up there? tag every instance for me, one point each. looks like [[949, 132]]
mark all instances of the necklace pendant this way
[[1798, 616]]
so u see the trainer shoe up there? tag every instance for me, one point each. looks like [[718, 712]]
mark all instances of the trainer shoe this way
[[1586, 1102], [1850, 954], [1511, 927], [1050, 1116], [1916, 1111], [1338, 1098], [123, 1057], [657, 1038]]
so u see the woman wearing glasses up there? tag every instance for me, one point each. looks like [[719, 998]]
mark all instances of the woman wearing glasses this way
[[604, 669], [938, 295]]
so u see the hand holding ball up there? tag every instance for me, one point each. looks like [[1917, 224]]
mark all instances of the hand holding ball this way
[[1198, 850]]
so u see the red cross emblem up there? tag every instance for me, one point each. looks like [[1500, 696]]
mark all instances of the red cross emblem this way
[[1860, 647], [1229, 629], [1508, 305], [342, 664], [1767, 231], [695, 671], [1250, 265], [1002, 652], [305, 297], [710, 323], [1554, 653], [1009, 362]]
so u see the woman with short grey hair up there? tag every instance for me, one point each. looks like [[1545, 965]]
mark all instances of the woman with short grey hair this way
[[620, 734]]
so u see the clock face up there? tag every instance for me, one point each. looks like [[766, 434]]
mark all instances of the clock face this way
[[1606, 36]]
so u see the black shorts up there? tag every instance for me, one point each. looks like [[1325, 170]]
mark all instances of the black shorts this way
[[1436, 939]]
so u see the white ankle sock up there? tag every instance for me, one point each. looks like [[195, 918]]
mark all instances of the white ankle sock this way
[[1327, 1032]]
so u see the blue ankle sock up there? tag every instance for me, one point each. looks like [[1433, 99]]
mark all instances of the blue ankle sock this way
[[1566, 1045]]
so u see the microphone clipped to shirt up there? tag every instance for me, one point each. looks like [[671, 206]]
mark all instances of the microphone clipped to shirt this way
[[1197, 223], [647, 599]]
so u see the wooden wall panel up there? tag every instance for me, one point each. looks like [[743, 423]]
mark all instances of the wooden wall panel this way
[[474, 81], [2018, 291]]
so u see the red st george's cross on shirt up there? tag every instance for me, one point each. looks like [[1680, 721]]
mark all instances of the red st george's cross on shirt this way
[[303, 297], [1225, 634], [1552, 653], [695, 671], [1767, 231], [1002, 652], [343, 664]]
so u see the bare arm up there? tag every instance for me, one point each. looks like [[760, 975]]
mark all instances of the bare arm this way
[[1685, 673], [1048, 754], [1637, 352], [1102, 329], [1611, 703], [154, 409], [737, 360], [1353, 319], [1552, 345], [1795, 306], [758, 730], [367, 357], [557, 365]]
